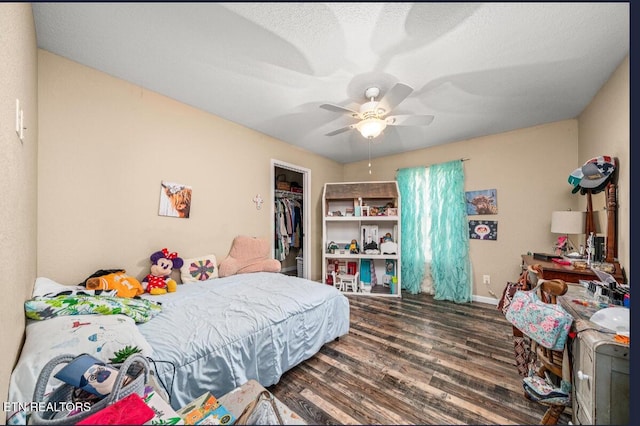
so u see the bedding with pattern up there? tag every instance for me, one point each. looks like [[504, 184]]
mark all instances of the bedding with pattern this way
[[212, 335], [220, 333], [44, 307], [51, 299], [101, 336]]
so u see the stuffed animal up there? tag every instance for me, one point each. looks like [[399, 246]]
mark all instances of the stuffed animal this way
[[125, 285], [159, 281]]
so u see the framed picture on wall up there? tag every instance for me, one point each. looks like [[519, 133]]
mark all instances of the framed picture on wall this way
[[483, 229], [482, 202], [175, 200]]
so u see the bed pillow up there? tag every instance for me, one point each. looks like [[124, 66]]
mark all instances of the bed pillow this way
[[199, 269], [45, 287], [249, 254], [98, 335]]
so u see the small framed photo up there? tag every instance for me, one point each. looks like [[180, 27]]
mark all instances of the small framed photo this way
[[365, 210], [175, 200], [392, 211], [482, 202], [483, 229]]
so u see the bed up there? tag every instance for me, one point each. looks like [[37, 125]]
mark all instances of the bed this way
[[222, 332], [211, 335]]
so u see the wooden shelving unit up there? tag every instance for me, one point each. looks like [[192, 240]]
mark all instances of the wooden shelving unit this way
[[366, 212]]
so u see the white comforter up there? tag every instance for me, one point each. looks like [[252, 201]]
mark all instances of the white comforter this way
[[222, 332]]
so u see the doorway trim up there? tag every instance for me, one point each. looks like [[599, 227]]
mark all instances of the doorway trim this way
[[306, 210]]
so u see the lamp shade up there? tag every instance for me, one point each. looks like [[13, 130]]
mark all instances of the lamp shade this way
[[567, 222], [371, 127]]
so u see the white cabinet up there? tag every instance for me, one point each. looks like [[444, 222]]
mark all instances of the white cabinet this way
[[599, 365], [600, 380], [367, 215]]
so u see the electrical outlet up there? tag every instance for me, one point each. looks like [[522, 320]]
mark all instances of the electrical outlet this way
[[486, 279]]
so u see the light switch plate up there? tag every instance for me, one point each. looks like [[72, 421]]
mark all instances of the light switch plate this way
[[21, 125], [18, 116]]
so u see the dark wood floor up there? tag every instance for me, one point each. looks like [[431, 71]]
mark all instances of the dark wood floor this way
[[413, 361]]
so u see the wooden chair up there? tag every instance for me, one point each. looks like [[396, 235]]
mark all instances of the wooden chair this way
[[521, 345], [549, 362]]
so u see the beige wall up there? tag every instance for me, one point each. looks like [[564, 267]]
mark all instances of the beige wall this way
[[18, 174], [105, 146], [527, 167], [603, 129]]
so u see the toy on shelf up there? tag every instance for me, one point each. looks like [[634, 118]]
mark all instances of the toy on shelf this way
[[369, 238], [388, 246], [371, 248]]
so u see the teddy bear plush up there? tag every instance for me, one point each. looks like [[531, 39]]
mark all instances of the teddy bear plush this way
[[159, 281]]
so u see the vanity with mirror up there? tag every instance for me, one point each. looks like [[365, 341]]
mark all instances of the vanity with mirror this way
[[610, 251], [600, 363], [610, 264]]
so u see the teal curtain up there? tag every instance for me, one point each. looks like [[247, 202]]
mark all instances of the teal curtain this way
[[449, 233], [412, 184], [435, 235]]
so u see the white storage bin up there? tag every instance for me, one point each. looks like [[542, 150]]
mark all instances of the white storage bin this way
[[299, 260]]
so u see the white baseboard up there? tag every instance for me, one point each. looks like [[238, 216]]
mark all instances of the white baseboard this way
[[484, 299]]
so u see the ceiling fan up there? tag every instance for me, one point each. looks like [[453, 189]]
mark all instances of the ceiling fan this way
[[373, 114]]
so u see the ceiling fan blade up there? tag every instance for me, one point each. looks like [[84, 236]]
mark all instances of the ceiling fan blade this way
[[341, 130], [341, 109], [394, 96], [409, 120]]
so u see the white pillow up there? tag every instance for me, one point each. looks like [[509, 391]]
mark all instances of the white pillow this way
[[47, 287], [97, 335], [44, 286], [199, 269]]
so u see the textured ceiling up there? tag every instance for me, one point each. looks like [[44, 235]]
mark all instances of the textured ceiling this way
[[478, 68]]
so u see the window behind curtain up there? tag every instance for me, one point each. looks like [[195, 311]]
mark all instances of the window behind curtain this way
[[435, 239]]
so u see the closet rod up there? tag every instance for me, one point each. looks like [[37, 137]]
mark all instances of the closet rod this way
[[428, 165], [287, 194]]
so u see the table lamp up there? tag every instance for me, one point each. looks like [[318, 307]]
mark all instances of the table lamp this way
[[568, 222]]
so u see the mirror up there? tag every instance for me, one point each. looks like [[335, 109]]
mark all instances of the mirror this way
[[611, 249]]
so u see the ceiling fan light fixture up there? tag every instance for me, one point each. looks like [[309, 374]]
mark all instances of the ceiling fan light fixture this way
[[373, 114], [371, 127]]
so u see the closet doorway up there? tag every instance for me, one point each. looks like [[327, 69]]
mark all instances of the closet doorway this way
[[291, 213]]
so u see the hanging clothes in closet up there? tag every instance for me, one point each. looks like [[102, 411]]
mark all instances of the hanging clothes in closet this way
[[288, 221]]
